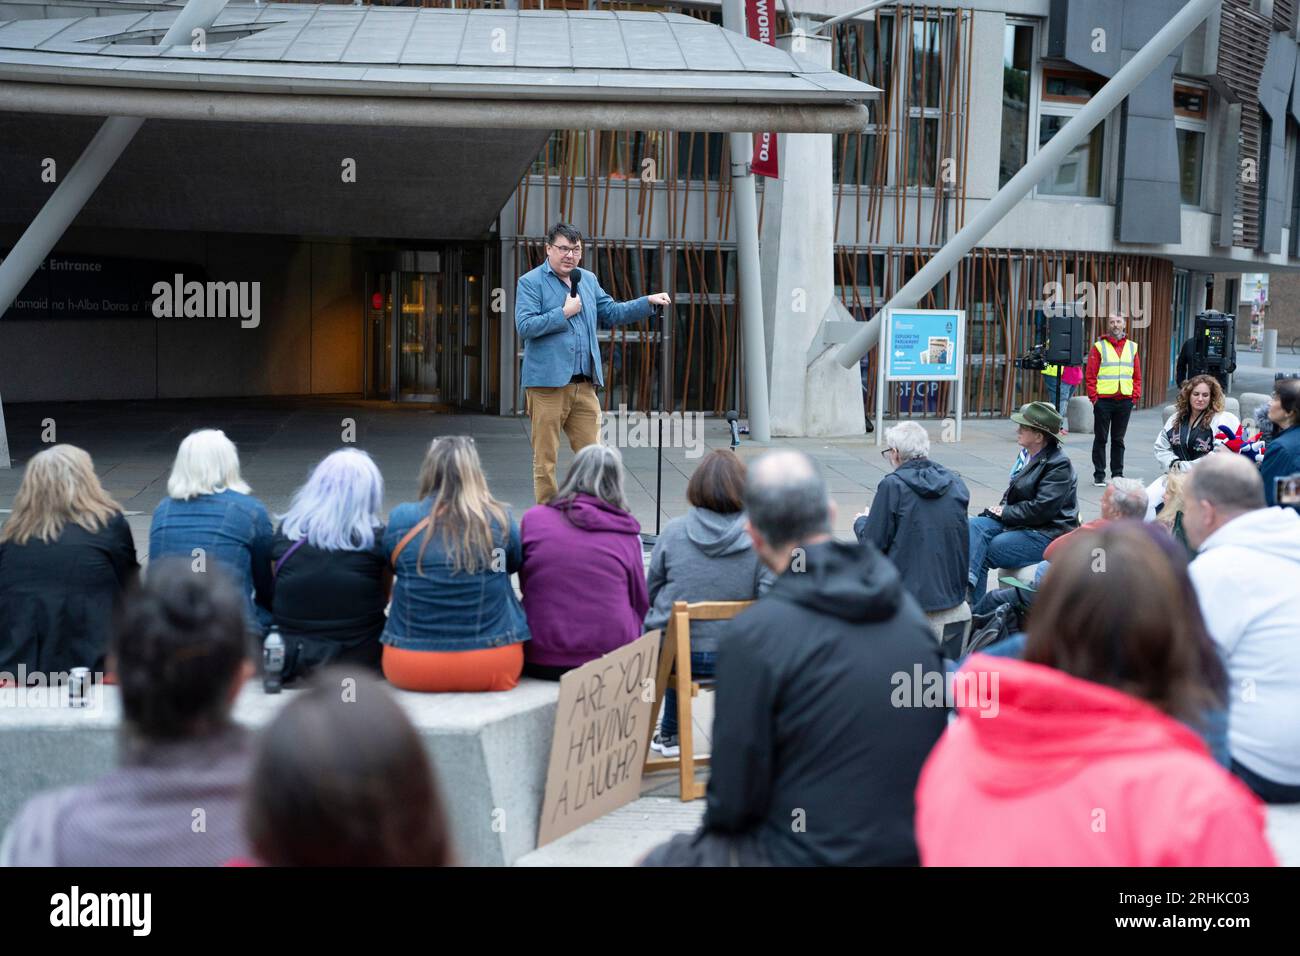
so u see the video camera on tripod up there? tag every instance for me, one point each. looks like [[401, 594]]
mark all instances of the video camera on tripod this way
[[1064, 345]]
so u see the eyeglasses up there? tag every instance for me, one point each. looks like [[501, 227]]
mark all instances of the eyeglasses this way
[[568, 252], [886, 453]]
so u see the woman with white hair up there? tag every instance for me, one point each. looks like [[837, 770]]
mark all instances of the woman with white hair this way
[[918, 520], [330, 568], [66, 557], [209, 514], [583, 577]]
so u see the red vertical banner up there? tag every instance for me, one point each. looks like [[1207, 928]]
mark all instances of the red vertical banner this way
[[760, 20]]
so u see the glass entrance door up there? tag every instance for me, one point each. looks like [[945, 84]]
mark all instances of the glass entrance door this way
[[428, 332], [419, 342]]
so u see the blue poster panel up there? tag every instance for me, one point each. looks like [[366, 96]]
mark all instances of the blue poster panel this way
[[923, 345]]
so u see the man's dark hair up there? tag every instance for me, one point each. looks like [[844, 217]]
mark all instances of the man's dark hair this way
[[563, 229], [177, 650], [786, 498], [718, 483], [342, 779], [1288, 395]]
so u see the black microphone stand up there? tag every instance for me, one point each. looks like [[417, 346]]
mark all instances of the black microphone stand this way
[[650, 539]]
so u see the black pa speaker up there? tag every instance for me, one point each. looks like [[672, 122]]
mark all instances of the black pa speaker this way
[[1064, 340]]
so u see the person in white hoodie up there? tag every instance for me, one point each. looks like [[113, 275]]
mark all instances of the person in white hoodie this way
[[1188, 434], [1245, 576]]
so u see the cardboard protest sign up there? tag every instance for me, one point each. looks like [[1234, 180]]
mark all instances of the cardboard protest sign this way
[[601, 726]]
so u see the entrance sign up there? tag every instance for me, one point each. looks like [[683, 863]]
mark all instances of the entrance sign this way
[[600, 737], [921, 345]]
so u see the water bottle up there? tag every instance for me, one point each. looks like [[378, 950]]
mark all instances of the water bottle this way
[[272, 662]]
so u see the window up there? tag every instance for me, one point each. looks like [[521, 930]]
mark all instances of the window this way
[[1191, 102], [868, 272], [565, 152], [1080, 172], [854, 159], [621, 154], [1017, 62], [699, 155], [857, 54], [924, 105], [1191, 112], [1067, 86]]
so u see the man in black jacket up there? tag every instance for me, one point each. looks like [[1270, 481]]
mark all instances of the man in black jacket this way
[[815, 753], [1039, 505]]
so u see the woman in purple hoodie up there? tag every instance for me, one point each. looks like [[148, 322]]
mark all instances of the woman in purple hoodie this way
[[582, 578]]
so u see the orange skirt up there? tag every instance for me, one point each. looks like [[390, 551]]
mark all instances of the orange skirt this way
[[488, 669]]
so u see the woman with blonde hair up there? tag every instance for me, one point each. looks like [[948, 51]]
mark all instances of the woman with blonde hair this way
[[1170, 514], [66, 557], [209, 514], [454, 623]]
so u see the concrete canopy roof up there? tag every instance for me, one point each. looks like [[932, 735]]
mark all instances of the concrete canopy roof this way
[[624, 68]]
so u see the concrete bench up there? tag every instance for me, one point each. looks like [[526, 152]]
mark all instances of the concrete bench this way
[[1078, 415], [489, 751], [1251, 401]]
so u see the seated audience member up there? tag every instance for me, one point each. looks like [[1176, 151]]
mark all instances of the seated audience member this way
[[1245, 576], [1170, 514], [179, 655], [705, 555], [1189, 433], [66, 557], [330, 569], [918, 521], [1088, 760], [1039, 505], [583, 577], [1123, 499], [1282, 457], [814, 759], [209, 515], [1212, 724], [455, 623], [344, 780]]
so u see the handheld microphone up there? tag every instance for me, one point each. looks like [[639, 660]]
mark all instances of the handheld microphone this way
[[574, 278], [733, 421]]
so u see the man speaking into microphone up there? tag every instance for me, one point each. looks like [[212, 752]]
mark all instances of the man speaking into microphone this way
[[558, 308]]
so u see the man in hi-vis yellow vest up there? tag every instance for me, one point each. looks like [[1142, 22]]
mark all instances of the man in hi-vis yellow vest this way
[[1114, 381]]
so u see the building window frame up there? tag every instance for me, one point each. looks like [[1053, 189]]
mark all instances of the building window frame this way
[[1030, 122], [1196, 122], [1044, 105]]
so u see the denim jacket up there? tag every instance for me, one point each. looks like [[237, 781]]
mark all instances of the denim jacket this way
[[446, 610], [551, 341], [231, 528]]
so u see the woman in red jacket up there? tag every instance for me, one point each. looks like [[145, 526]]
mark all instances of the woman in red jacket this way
[[1079, 755]]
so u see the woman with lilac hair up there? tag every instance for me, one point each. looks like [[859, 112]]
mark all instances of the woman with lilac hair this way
[[330, 572]]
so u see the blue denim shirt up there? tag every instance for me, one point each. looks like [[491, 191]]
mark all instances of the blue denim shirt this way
[[555, 347], [446, 610], [231, 528]]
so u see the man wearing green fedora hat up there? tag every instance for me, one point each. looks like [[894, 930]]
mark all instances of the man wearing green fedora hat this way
[[1040, 504]]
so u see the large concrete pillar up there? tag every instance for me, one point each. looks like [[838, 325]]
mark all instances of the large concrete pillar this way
[[810, 393]]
